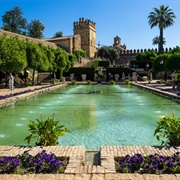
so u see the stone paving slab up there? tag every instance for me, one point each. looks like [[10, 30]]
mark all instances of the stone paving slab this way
[[89, 177]]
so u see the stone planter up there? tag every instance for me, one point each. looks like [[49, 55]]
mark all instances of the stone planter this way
[[144, 78], [116, 77], [72, 76], [83, 76], [63, 80]]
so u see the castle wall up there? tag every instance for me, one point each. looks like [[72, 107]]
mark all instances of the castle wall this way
[[126, 56], [2, 32], [136, 51], [68, 43]]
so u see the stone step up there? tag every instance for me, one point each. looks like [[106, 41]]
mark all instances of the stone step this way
[[92, 158]]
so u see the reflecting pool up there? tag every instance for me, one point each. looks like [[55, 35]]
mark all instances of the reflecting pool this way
[[120, 115]]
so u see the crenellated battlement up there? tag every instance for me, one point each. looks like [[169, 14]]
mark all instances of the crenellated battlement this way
[[83, 22], [136, 51]]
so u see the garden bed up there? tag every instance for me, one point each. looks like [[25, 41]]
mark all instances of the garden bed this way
[[28, 164], [152, 164]]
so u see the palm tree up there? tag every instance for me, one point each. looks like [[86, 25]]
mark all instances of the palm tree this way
[[162, 18], [156, 41]]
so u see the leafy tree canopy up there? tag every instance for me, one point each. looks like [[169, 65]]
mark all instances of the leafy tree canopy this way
[[108, 53], [62, 60], [51, 57], [12, 54], [80, 53], [159, 62], [14, 22], [175, 50], [146, 57], [34, 55], [58, 34], [173, 62], [113, 53], [156, 41], [35, 29], [45, 60]]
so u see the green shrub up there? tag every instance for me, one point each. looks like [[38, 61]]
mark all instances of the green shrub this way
[[168, 130], [95, 64], [73, 82], [112, 82], [80, 52], [89, 82], [16, 80], [127, 81], [46, 132], [56, 81]]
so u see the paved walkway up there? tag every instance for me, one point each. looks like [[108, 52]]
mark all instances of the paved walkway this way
[[8, 97], [158, 88]]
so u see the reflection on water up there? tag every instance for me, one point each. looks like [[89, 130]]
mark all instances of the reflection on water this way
[[120, 115]]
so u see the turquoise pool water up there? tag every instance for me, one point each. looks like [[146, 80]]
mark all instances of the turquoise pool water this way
[[120, 115]]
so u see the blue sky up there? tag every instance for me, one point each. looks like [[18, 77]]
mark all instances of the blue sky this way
[[125, 18]]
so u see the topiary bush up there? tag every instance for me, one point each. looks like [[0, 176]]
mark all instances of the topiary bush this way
[[127, 81], [89, 82], [112, 82], [74, 82]]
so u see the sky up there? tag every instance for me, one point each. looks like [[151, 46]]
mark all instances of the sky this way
[[127, 19]]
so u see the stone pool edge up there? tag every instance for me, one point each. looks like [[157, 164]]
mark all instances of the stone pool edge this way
[[161, 92], [32, 92]]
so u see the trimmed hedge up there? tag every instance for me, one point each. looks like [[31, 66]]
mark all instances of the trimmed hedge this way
[[118, 70], [81, 70], [104, 64]]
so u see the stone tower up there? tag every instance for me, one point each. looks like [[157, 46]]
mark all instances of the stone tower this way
[[117, 44], [117, 41], [87, 30]]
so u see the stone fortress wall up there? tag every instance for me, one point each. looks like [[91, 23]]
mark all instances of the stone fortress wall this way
[[136, 51], [126, 56], [68, 43], [10, 34]]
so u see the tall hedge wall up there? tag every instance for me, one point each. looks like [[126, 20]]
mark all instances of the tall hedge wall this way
[[81, 70], [118, 70]]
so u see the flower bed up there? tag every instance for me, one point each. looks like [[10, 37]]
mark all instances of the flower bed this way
[[152, 164], [26, 163], [23, 92]]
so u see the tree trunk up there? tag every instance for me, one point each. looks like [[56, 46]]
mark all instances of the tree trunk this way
[[161, 50], [25, 77], [61, 73], [165, 76], [33, 77]]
